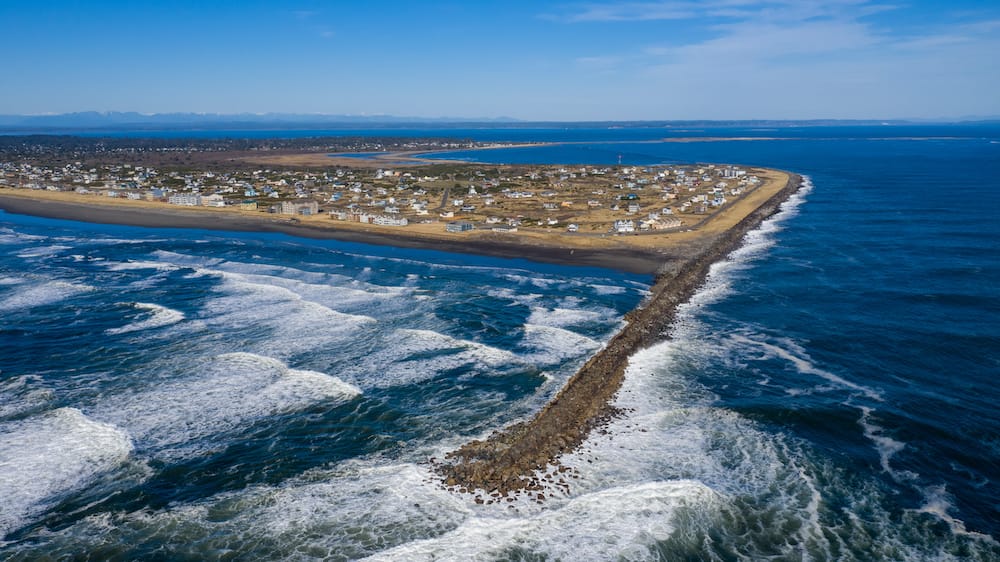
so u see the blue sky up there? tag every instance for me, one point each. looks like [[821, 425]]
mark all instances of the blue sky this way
[[677, 59]]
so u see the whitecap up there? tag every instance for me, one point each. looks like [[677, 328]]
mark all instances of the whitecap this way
[[158, 316], [48, 456], [608, 289], [140, 265], [279, 321], [22, 394], [31, 295], [408, 356], [616, 523], [796, 355], [549, 345], [224, 393], [43, 251], [563, 317]]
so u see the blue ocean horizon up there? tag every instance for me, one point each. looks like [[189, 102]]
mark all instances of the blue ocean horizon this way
[[830, 393]]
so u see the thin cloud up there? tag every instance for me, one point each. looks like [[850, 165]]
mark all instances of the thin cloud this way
[[772, 10]]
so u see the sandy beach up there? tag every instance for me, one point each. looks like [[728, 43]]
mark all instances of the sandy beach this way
[[643, 254]]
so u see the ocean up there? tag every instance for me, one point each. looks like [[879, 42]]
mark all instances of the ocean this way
[[829, 394]]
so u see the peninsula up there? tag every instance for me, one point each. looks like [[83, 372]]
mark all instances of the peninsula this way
[[672, 222], [382, 191]]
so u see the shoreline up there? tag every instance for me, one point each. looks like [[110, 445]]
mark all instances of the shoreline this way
[[506, 461], [646, 253], [626, 259]]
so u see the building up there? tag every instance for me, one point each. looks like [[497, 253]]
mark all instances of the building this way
[[623, 227], [185, 199], [214, 200], [459, 226], [383, 220], [298, 208]]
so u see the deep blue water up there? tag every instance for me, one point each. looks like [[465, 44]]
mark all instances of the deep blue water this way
[[829, 394]]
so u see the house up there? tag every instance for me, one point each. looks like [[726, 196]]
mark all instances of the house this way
[[213, 200], [298, 208], [384, 220], [572, 228], [459, 226], [623, 227], [185, 199]]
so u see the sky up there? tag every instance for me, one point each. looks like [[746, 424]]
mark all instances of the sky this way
[[530, 60]]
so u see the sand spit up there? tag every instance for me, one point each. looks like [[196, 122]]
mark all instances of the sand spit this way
[[507, 460]]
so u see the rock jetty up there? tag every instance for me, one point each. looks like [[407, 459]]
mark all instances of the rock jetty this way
[[508, 460]]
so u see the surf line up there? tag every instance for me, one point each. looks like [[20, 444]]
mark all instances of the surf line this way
[[507, 461]]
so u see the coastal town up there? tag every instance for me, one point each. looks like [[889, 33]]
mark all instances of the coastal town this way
[[451, 198]]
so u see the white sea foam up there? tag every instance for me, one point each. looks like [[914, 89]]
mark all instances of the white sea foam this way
[[140, 265], [541, 282], [608, 289], [45, 457], [11, 237], [564, 317], [409, 356], [550, 345], [526, 299], [796, 355], [19, 395], [43, 251], [886, 446], [34, 293], [292, 324], [938, 502], [224, 393], [618, 523], [157, 317]]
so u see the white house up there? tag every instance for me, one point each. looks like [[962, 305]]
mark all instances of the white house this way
[[623, 226]]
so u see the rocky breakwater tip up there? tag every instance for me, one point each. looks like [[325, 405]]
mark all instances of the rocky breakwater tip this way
[[513, 459]]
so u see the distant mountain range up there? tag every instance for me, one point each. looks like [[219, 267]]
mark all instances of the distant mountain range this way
[[131, 119], [125, 120]]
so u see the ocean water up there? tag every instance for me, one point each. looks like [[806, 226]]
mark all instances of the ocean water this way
[[829, 394]]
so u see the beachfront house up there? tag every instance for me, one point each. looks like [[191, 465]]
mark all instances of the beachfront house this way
[[213, 200], [298, 208], [459, 226], [185, 199], [623, 227]]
